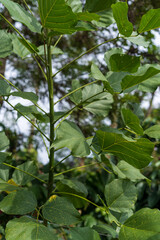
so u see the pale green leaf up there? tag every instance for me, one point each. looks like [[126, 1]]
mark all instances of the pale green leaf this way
[[70, 136], [120, 14], [143, 225], [19, 48], [26, 95], [4, 142], [18, 202], [4, 172], [137, 153], [150, 20], [153, 132], [27, 228], [4, 88], [115, 79], [19, 14], [76, 5], [120, 195], [106, 18], [60, 211], [151, 84], [26, 110], [77, 96], [57, 15], [6, 47], [138, 40], [85, 233], [54, 50]]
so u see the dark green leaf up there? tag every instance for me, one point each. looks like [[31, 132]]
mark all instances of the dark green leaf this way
[[4, 156], [106, 18], [86, 16], [85, 233], [109, 53], [26, 110], [26, 95], [60, 211], [98, 5], [22, 178], [104, 229], [20, 15], [143, 225], [131, 121], [120, 195], [58, 16], [5, 88], [70, 136], [150, 20], [19, 202], [77, 96], [6, 47], [4, 172], [5, 186], [4, 142], [137, 153], [120, 14], [26, 228], [153, 132], [124, 63]]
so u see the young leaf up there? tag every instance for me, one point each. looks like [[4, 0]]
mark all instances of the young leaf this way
[[28, 228], [70, 136], [153, 132], [143, 225], [120, 13], [20, 15], [150, 20], [5, 88], [120, 195], [124, 63], [137, 153], [19, 202], [57, 15], [58, 210], [4, 142], [6, 46], [84, 233], [131, 121]]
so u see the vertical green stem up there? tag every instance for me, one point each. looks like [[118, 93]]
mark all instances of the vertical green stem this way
[[51, 103]]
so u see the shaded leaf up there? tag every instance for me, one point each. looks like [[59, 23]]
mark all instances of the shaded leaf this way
[[86, 16], [5, 186], [106, 18], [4, 142], [19, 202], [84, 233], [19, 48], [4, 156], [27, 228], [69, 135], [5, 88], [120, 14], [6, 47], [26, 110], [143, 225], [54, 50], [109, 53], [19, 14], [115, 79], [98, 5], [104, 229], [77, 96], [60, 211], [120, 195]]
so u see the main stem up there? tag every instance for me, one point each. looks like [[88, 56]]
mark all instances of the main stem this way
[[51, 104]]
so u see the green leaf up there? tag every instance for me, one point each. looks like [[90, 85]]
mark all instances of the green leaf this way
[[84, 26], [6, 47], [4, 156], [4, 172], [124, 63], [59, 210], [86, 16], [104, 229], [5, 88], [115, 79], [120, 195], [131, 121], [19, 202], [138, 40], [26, 110], [70, 136], [20, 15], [5, 186], [98, 5], [75, 187], [153, 132], [26, 95], [57, 15], [27, 228], [106, 18], [144, 73], [84, 233], [54, 50], [151, 84], [100, 107], [143, 225], [120, 14], [150, 20], [109, 53], [4, 142], [76, 5], [137, 153], [19, 48], [77, 96], [22, 178]]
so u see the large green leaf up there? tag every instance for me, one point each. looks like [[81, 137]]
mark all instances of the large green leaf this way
[[19, 202], [4, 142], [6, 47], [26, 228], [5, 186], [85, 233], [5, 88], [137, 153], [131, 121], [124, 63], [151, 84], [144, 73], [26, 110], [20, 15], [120, 195], [22, 178], [120, 13], [76, 5], [111, 52], [143, 225], [69, 135], [26, 95], [153, 132], [150, 20], [19, 48], [115, 79], [138, 40], [98, 5], [60, 211], [57, 15]]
